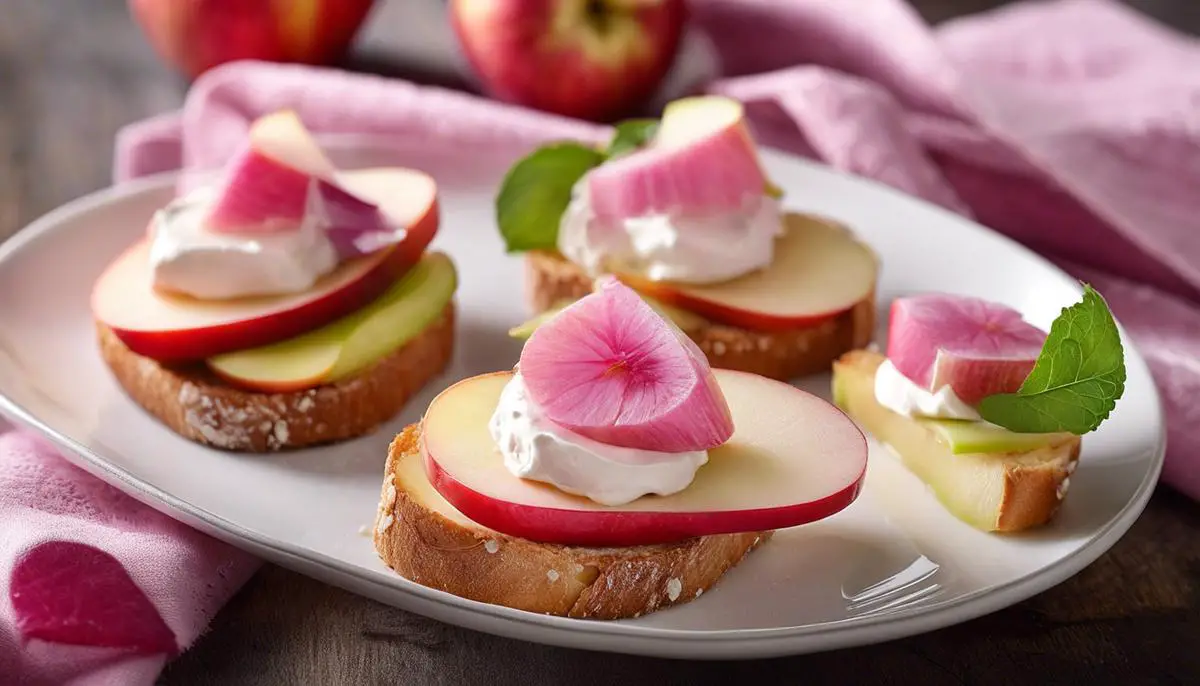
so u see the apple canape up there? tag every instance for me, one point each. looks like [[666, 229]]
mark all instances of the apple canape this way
[[285, 305], [680, 210], [613, 472], [985, 408]]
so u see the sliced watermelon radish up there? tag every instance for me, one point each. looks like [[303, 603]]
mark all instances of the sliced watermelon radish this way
[[267, 185], [260, 195], [608, 367], [976, 347], [703, 160], [282, 177], [72, 593]]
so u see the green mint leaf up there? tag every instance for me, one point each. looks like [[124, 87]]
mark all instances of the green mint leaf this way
[[536, 192], [630, 135], [1078, 377]]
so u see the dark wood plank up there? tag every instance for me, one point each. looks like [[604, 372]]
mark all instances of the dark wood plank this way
[[73, 71]]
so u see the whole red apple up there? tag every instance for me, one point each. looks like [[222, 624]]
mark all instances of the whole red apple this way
[[196, 35], [591, 59]]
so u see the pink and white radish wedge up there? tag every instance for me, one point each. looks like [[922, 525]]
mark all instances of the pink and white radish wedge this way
[[793, 459], [609, 368], [702, 160], [976, 347], [281, 176], [267, 186]]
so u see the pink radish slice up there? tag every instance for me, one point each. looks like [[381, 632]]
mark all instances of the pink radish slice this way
[[71, 593], [977, 348], [609, 368], [267, 184], [354, 226], [713, 174], [260, 195]]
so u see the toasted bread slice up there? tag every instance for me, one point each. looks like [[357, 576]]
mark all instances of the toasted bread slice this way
[[1002, 492], [783, 355], [196, 404], [426, 540]]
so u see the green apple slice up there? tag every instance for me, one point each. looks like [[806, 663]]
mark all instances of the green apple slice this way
[[351, 344], [964, 437]]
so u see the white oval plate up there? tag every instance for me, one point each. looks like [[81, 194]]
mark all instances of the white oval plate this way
[[893, 564]]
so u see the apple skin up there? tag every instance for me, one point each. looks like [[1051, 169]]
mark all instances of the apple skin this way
[[291, 316], [555, 56], [197, 35]]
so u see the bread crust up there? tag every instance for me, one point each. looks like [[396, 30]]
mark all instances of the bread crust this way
[[1034, 494], [422, 544], [196, 404], [782, 355], [1034, 483]]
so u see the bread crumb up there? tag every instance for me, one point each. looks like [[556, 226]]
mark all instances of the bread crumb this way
[[389, 497], [1061, 492], [674, 588], [306, 403], [364, 530], [281, 432], [699, 591], [1071, 467], [384, 523], [718, 348], [552, 575], [491, 546]]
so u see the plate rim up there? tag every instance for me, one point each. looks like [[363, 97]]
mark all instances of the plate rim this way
[[754, 642]]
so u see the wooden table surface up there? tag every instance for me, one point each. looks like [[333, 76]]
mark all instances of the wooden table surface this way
[[73, 71]]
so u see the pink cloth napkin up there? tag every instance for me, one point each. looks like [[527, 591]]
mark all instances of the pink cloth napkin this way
[[1069, 125], [96, 587]]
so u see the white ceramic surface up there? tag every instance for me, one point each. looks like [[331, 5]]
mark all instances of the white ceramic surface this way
[[893, 564]]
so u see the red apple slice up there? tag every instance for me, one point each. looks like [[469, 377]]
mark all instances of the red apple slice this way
[[819, 271], [268, 184], [976, 347], [608, 367], [171, 327], [702, 160], [793, 459]]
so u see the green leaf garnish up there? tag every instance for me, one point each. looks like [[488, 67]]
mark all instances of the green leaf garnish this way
[[1078, 377], [536, 192], [630, 135]]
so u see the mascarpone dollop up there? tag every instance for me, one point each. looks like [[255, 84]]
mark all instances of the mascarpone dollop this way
[[672, 247], [901, 395], [537, 449], [186, 257]]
